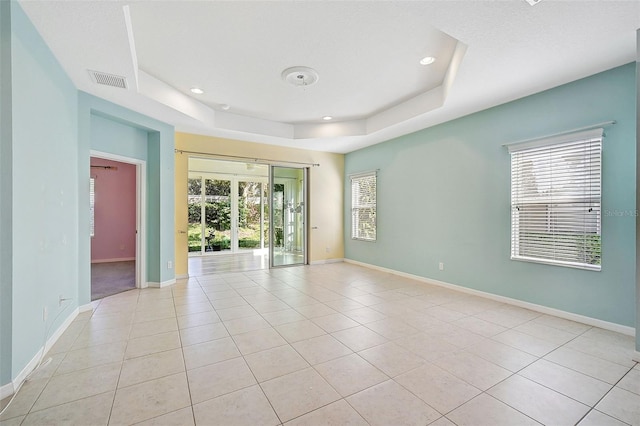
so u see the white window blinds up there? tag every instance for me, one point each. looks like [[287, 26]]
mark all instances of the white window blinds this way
[[363, 206], [92, 205], [556, 200]]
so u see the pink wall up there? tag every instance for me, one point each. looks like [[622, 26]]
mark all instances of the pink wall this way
[[115, 211]]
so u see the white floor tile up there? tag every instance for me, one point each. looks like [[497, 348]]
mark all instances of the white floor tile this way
[[538, 402], [326, 344]]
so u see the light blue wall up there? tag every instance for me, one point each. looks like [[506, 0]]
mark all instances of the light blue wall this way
[[44, 190], [5, 193], [107, 127], [637, 186], [118, 138], [444, 195], [47, 131]]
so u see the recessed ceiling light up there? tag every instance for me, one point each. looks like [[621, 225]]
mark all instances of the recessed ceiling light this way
[[197, 90], [327, 118], [225, 107], [427, 60]]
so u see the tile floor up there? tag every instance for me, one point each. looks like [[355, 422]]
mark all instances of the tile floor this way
[[328, 344]]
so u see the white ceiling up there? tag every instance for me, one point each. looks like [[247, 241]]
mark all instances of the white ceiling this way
[[366, 54]]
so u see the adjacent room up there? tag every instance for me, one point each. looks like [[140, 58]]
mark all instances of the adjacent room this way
[[288, 213], [113, 227]]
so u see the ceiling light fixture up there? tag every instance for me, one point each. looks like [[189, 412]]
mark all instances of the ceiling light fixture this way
[[533, 2], [300, 76], [225, 107], [427, 60], [197, 91], [327, 118]]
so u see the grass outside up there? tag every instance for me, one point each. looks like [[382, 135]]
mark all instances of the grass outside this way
[[249, 237]]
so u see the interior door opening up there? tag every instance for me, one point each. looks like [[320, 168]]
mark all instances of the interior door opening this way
[[115, 219]]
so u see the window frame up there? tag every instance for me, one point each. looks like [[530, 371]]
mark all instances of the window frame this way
[[578, 186], [357, 180]]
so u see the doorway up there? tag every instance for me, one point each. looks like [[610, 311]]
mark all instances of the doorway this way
[[230, 225], [116, 224], [288, 219], [228, 216]]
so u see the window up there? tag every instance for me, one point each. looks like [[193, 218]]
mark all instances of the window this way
[[556, 200], [363, 206], [92, 206]]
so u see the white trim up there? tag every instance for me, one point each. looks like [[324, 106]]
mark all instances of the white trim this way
[[182, 276], [60, 330], [6, 390], [583, 133], [618, 328], [141, 224], [17, 381], [162, 284], [325, 261], [85, 308], [364, 173], [119, 259]]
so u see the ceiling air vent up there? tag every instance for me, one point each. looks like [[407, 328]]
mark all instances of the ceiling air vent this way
[[108, 79]]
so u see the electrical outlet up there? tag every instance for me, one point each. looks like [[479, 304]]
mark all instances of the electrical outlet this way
[[441, 266], [169, 265], [45, 314], [328, 250]]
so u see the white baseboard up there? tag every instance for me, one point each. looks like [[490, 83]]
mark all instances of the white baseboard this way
[[325, 261], [117, 259], [618, 328], [6, 391], [182, 276], [85, 308], [162, 284], [31, 365]]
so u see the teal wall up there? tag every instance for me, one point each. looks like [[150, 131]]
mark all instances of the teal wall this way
[[444, 196], [110, 128], [47, 131], [44, 190], [5, 193], [637, 185], [114, 137]]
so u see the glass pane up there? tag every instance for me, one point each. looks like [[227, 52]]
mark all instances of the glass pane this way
[[265, 218], [288, 216], [194, 201], [249, 214], [217, 220]]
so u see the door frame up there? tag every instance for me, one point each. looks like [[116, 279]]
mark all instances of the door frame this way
[[141, 211], [234, 180], [305, 215]]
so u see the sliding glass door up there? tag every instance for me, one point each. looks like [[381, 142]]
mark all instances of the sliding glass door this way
[[245, 208], [217, 215], [253, 214], [209, 213], [227, 214], [288, 216]]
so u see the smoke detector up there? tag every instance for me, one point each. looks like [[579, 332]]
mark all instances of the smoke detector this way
[[300, 76]]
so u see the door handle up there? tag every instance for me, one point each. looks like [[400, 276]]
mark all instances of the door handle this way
[[182, 232]]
